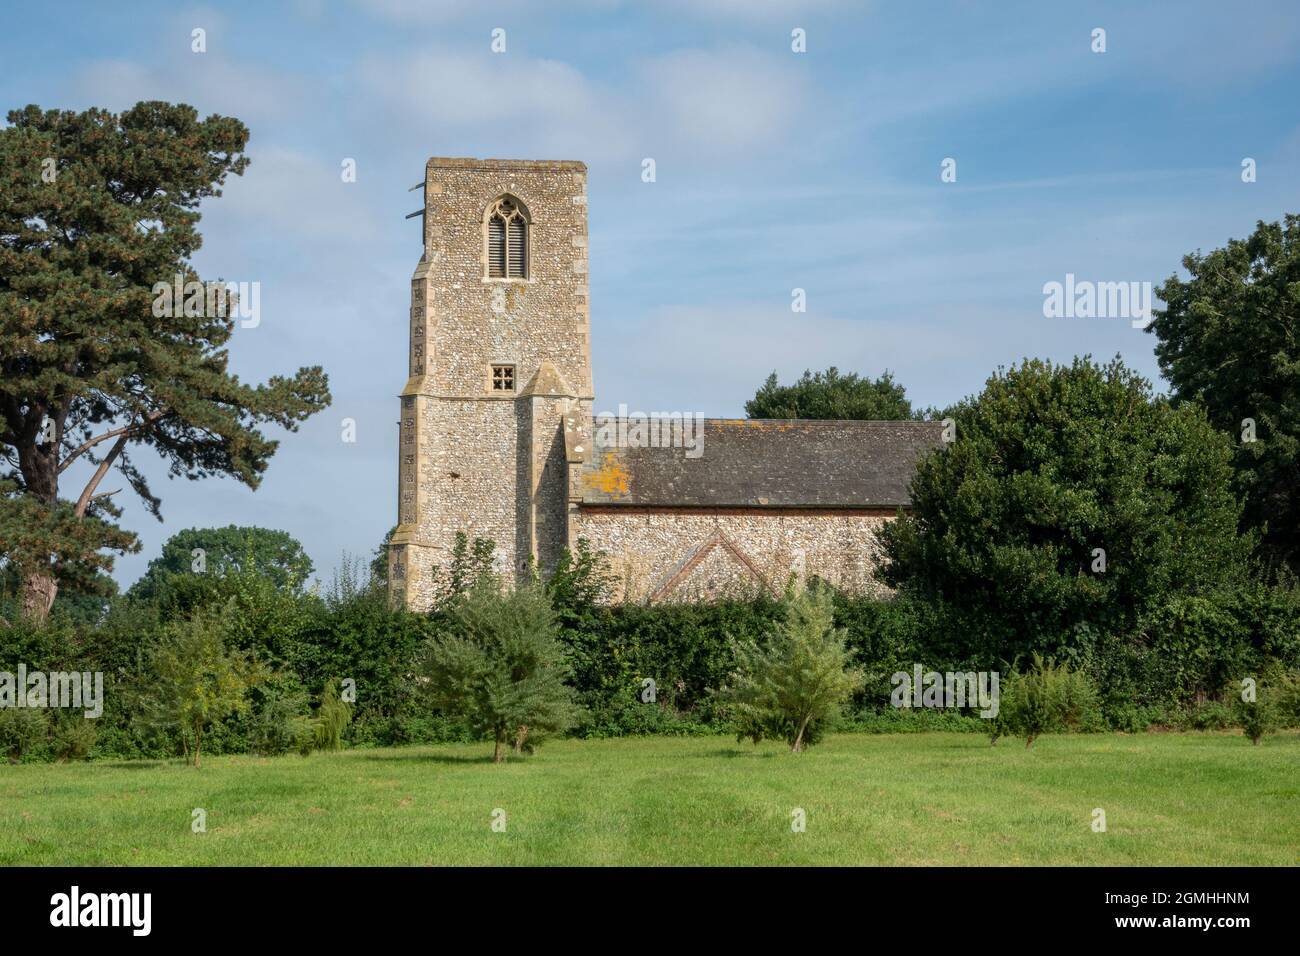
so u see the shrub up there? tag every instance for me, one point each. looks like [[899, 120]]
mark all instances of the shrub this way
[[1168, 668], [1208, 715], [1131, 718], [906, 720], [501, 666], [1048, 698], [886, 636], [682, 647], [1285, 687], [793, 688], [1199, 644], [192, 681], [73, 738], [1257, 717], [356, 634], [626, 714], [1051, 465], [331, 718], [278, 721], [23, 732]]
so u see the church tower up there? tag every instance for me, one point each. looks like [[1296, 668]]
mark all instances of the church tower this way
[[499, 393]]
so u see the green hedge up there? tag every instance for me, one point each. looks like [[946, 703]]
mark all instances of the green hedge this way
[[1176, 669]]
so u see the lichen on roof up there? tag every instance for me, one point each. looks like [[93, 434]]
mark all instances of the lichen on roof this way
[[768, 463]]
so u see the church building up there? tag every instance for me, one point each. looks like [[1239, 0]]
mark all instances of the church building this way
[[499, 437]]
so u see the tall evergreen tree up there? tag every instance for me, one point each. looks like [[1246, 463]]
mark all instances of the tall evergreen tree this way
[[96, 208]]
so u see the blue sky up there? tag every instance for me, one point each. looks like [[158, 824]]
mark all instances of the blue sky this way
[[775, 170]]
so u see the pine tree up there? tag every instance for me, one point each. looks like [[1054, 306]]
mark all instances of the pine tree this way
[[98, 213], [792, 688], [501, 666]]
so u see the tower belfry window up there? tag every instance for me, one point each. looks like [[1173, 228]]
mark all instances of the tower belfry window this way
[[507, 241]]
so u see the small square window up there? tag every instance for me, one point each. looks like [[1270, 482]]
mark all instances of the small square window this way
[[503, 378]]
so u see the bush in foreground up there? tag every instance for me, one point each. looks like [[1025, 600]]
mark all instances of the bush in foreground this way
[[193, 681], [793, 688], [1047, 698], [501, 667]]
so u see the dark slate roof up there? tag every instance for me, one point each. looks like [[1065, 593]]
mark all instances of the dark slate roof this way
[[766, 463]]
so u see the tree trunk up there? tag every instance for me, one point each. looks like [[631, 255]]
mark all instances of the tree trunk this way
[[40, 469], [39, 590], [498, 755], [39, 465], [198, 746], [797, 746]]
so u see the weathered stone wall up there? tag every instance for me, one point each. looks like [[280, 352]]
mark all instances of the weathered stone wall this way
[[692, 554], [468, 456], [479, 320], [548, 480]]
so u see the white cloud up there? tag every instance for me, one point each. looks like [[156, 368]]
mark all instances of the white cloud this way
[[207, 81], [725, 99], [531, 107], [447, 11], [296, 195], [688, 102]]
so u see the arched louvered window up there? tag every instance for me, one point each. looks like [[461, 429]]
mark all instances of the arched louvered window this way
[[507, 239], [496, 247], [518, 244]]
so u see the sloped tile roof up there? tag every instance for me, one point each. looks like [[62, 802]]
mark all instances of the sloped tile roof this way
[[765, 463]]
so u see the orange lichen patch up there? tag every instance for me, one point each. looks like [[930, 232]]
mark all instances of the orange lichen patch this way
[[611, 478]]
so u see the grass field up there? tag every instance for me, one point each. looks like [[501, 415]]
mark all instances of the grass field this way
[[1175, 799]]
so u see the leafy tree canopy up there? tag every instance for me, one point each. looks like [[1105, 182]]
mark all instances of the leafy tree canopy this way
[[831, 394], [95, 209], [198, 555], [1230, 340], [191, 680], [1071, 497]]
